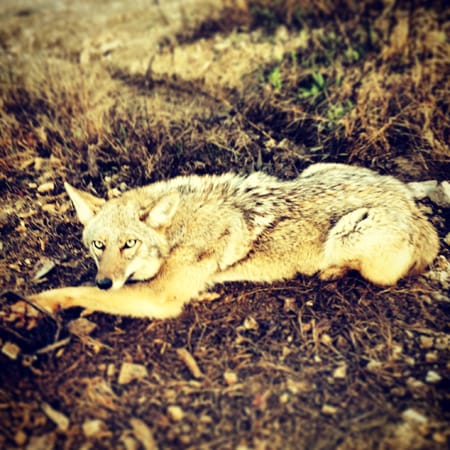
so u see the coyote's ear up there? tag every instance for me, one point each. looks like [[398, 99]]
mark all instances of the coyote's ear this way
[[86, 205], [161, 213]]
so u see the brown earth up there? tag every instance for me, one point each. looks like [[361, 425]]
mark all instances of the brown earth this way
[[111, 95]]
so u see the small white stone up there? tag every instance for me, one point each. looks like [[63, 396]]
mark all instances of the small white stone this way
[[329, 410], [411, 415], [426, 342], [432, 377], [373, 365], [45, 188], [447, 239], [230, 377], [11, 350], [92, 427], [130, 372], [340, 372], [422, 189], [441, 195], [175, 413]]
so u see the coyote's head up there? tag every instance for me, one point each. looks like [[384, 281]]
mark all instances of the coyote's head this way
[[126, 237]]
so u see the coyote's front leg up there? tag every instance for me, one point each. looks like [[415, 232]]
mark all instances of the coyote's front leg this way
[[162, 297], [138, 300]]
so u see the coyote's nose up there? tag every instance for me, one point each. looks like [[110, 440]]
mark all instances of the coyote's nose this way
[[104, 283]]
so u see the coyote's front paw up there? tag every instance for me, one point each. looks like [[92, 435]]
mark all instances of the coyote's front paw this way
[[51, 300]]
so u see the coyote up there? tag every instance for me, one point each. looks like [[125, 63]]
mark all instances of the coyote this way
[[177, 238]]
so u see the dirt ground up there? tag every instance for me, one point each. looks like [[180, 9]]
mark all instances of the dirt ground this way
[[109, 95]]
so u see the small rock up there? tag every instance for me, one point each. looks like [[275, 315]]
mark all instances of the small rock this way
[[92, 427], [447, 239], [442, 343], [414, 384], [175, 413], [50, 208], [432, 377], [11, 350], [398, 391], [411, 415], [422, 189], [329, 410], [441, 195], [373, 365], [45, 188], [250, 324], [326, 339], [431, 357], [81, 327], [110, 370], [130, 372], [426, 342], [230, 377], [340, 372]]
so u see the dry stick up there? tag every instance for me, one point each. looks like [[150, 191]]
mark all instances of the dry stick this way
[[190, 362]]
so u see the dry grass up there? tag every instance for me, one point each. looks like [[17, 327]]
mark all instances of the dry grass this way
[[128, 95]]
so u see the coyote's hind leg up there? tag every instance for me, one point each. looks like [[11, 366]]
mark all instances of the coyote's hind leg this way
[[372, 242]]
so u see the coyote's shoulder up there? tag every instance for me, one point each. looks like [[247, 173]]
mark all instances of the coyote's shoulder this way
[[181, 236]]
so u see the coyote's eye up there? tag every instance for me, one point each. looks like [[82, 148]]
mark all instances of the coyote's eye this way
[[130, 243], [99, 245]]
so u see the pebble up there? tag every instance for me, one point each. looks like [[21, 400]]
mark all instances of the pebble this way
[[431, 357], [411, 415], [426, 342], [11, 350], [46, 188], [130, 372], [447, 239], [340, 372], [441, 195], [250, 324], [329, 410], [326, 339], [92, 427], [81, 327], [230, 377], [175, 413], [373, 365], [432, 377], [422, 189]]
